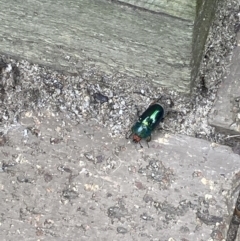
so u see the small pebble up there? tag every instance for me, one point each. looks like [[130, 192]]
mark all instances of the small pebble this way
[[121, 230]]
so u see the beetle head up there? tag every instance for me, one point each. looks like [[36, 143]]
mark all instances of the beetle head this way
[[136, 138]]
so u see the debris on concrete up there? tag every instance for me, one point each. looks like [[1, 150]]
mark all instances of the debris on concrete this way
[[67, 171], [180, 188]]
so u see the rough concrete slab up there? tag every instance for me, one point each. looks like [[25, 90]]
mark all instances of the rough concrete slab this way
[[62, 180], [225, 114]]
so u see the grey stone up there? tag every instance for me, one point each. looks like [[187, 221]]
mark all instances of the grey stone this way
[[192, 199]]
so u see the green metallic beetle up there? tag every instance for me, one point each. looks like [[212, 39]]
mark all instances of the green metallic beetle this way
[[146, 123]]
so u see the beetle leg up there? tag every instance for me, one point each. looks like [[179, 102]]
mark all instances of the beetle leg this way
[[148, 138], [156, 100], [140, 144], [165, 128], [138, 111], [127, 136]]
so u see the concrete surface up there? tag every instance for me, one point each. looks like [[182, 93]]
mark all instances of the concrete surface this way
[[225, 114], [206, 12], [63, 180], [68, 173]]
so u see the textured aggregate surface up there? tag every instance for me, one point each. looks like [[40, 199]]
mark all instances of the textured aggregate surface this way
[[26, 86]]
